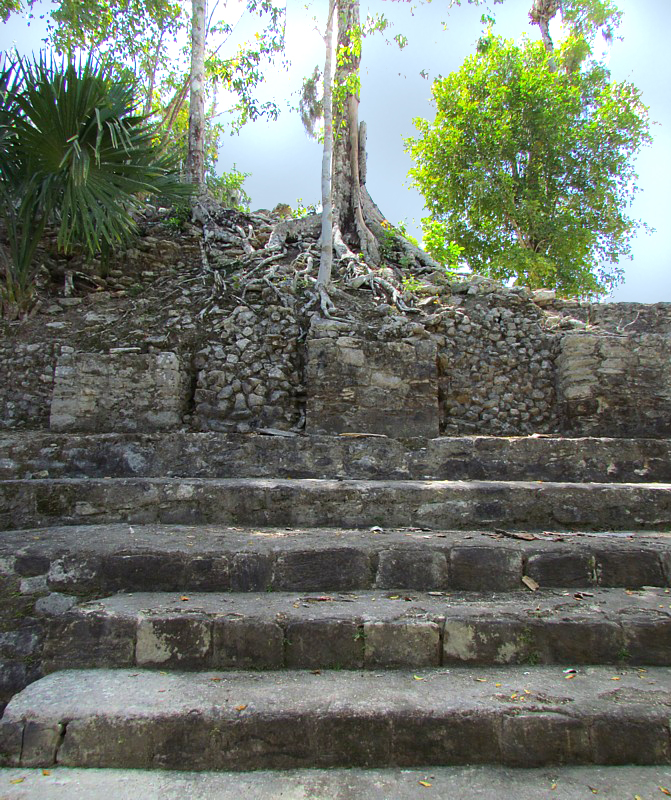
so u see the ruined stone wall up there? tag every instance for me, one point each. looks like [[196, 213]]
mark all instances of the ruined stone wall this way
[[249, 371], [26, 383], [477, 358], [119, 391], [380, 384], [623, 318], [496, 372], [615, 385]]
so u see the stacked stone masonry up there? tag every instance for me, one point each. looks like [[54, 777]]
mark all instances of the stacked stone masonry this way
[[477, 358]]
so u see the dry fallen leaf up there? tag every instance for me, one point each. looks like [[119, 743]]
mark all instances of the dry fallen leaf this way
[[530, 583], [418, 677], [184, 597], [46, 772], [664, 791], [593, 790], [215, 679], [616, 678], [241, 707], [424, 783], [570, 677], [18, 780]]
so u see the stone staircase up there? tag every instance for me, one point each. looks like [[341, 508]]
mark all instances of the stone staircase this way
[[248, 602]]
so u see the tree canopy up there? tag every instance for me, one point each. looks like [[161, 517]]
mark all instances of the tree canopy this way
[[528, 165]]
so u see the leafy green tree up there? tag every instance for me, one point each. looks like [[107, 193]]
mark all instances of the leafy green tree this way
[[74, 152], [528, 165], [152, 41]]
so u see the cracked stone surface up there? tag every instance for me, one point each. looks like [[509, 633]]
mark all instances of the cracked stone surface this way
[[349, 503], [479, 782], [353, 630], [505, 715]]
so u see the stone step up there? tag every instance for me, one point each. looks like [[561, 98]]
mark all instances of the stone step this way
[[488, 782], [28, 454], [277, 720], [98, 560], [350, 503], [366, 630]]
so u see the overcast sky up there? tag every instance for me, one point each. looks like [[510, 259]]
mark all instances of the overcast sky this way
[[285, 164]]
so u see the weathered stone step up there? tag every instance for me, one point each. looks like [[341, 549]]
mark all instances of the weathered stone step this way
[[101, 559], [502, 715], [366, 630], [350, 503], [218, 455], [485, 782]]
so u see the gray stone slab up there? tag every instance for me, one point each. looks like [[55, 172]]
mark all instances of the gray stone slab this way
[[101, 559], [372, 629], [472, 782], [26, 454], [358, 504], [143, 719]]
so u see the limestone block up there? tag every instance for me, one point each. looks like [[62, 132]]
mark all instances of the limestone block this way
[[615, 386], [385, 387], [402, 643], [118, 392]]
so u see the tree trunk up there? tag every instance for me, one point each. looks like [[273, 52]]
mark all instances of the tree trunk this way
[[326, 254], [542, 11], [195, 162], [351, 203], [152, 75]]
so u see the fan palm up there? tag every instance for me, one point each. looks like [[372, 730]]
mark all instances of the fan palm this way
[[73, 152]]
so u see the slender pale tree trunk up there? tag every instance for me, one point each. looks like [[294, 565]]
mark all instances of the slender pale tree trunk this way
[[326, 254], [542, 11], [152, 75], [348, 195], [195, 162]]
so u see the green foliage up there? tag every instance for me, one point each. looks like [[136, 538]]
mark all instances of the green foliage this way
[[141, 37], [75, 153], [529, 168], [9, 7], [410, 283], [585, 18], [228, 189], [303, 210], [438, 245]]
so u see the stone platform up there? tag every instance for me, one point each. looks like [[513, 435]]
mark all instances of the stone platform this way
[[233, 602]]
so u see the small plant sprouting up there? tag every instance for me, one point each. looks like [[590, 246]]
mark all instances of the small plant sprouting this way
[[410, 283]]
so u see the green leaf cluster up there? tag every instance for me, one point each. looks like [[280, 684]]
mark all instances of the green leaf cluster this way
[[75, 153], [530, 168], [148, 41]]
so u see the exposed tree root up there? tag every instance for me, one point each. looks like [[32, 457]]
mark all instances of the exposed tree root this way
[[304, 226], [273, 266]]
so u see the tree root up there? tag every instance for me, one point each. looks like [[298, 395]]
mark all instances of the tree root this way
[[321, 296], [309, 225], [359, 273]]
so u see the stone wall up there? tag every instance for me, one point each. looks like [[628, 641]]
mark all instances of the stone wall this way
[[623, 318], [496, 371], [249, 371], [26, 383], [359, 385], [612, 385], [119, 391], [476, 358]]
